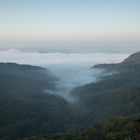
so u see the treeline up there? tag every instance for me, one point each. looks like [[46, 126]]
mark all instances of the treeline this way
[[115, 129]]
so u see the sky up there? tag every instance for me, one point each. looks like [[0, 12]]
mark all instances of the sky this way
[[46, 22]]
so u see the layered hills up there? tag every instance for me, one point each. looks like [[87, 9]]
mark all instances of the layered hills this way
[[106, 110]]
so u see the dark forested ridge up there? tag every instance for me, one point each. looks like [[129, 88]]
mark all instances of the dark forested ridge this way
[[114, 95], [25, 109], [106, 110], [132, 60]]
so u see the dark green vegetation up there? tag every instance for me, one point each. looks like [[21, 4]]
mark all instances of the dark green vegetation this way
[[116, 129], [26, 110], [113, 96]]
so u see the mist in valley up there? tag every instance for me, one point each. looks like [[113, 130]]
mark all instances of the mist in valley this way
[[71, 69]]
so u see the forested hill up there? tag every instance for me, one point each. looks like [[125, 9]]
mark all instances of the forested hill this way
[[34, 72], [26, 108], [115, 94], [132, 60]]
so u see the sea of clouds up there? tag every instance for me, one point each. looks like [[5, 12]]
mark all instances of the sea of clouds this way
[[73, 69]]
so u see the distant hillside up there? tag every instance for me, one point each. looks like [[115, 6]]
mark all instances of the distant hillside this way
[[35, 72], [132, 60], [112, 96]]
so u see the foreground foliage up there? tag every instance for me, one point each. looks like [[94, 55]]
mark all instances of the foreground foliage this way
[[116, 129]]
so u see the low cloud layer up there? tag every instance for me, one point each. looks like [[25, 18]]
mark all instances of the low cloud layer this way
[[56, 58], [73, 69]]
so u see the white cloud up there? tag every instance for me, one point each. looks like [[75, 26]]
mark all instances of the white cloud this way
[[72, 68]]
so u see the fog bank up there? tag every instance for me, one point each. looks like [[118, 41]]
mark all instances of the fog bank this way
[[73, 69]]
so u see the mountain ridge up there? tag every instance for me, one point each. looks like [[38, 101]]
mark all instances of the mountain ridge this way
[[131, 60]]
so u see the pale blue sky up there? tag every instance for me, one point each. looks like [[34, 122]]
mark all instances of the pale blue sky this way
[[45, 21]]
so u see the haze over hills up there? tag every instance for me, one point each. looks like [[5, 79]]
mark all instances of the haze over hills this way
[[133, 59], [72, 69], [107, 96], [36, 112], [115, 96]]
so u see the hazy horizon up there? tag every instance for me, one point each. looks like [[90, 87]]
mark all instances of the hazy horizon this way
[[69, 23], [69, 36], [72, 68]]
